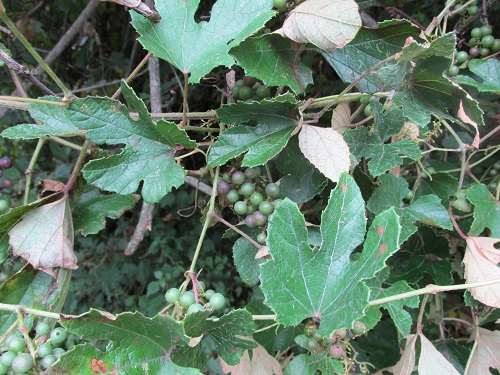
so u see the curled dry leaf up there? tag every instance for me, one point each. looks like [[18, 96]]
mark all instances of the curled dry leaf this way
[[463, 116], [341, 117], [486, 353], [261, 364], [263, 252], [481, 264], [328, 24], [407, 361]]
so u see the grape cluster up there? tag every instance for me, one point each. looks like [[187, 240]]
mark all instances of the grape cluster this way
[[494, 173], [336, 344], [7, 183], [16, 359], [250, 88], [186, 301]]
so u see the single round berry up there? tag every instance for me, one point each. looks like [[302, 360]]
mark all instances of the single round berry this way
[[453, 71], [280, 5], [233, 196], [7, 358], [367, 111], [251, 208], [249, 221], [7, 183], [48, 361], [259, 219], [336, 351], [245, 92], [472, 42], [365, 99], [277, 202], [493, 172], [223, 187], [4, 369], [186, 299], [484, 51], [238, 178], [461, 57], [17, 344], [256, 198], [340, 333], [261, 238], [474, 51], [266, 208], [236, 92], [473, 10], [172, 295], [5, 162], [272, 190], [358, 328], [493, 185], [200, 286], [476, 33], [226, 177], [58, 335], [247, 189], [310, 330], [409, 196], [23, 363], [312, 343], [240, 208], [240, 83], [217, 301], [195, 307], [57, 352], [44, 350], [4, 205], [209, 293], [497, 165], [263, 92], [487, 41], [249, 81], [486, 30], [496, 46]]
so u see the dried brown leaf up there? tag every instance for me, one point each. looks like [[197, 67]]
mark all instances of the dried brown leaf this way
[[431, 361], [486, 353], [406, 363], [262, 363], [341, 117]]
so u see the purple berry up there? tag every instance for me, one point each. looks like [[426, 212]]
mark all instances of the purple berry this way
[[223, 187], [7, 183], [5, 162]]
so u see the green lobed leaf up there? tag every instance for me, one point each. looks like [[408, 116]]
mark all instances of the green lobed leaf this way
[[197, 48], [486, 211], [262, 128], [368, 48], [324, 284], [443, 185], [370, 143], [156, 337], [89, 214], [228, 332], [442, 46], [485, 77], [309, 365], [274, 60], [244, 259]]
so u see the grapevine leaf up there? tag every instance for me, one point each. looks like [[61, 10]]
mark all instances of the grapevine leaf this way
[[157, 337], [244, 259], [323, 283], [485, 77], [431, 361], [27, 288], [197, 48], [429, 210], [341, 117], [274, 60], [442, 185], [326, 149], [486, 211], [407, 362], [226, 331], [485, 354], [455, 352], [262, 128], [89, 214], [443, 46], [328, 24], [364, 142], [310, 364], [44, 236], [368, 48]]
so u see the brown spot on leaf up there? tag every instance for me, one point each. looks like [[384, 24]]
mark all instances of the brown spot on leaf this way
[[380, 231], [344, 188], [98, 366], [382, 248]]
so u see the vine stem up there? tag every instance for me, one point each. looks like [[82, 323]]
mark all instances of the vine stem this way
[[28, 310], [31, 166], [31, 50], [421, 314], [133, 74], [474, 346], [18, 99], [237, 230], [25, 332]]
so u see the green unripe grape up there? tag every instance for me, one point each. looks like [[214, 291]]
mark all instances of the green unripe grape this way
[[238, 178], [496, 46], [195, 307], [267, 208], [3, 369], [484, 51], [239, 83], [226, 177], [7, 358], [259, 219], [457, 7], [486, 30], [256, 198], [48, 361], [358, 328], [261, 238], [492, 185], [472, 42], [310, 330], [42, 329], [209, 293], [453, 71], [245, 93], [409, 196], [240, 208], [247, 189], [367, 111], [312, 343], [23, 363], [252, 172], [57, 352], [17, 344], [487, 41], [497, 165], [233, 196], [4, 205], [276, 203], [172, 295], [461, 57], [58, 335], [236, 92], [493, 172], [44, 350], [365, 99], [473, 10], [476, 33], [217, 301], [263, 92], [272, 190], [340, 333], [186, 299], [251, 208], [200, 286], [280, 5]]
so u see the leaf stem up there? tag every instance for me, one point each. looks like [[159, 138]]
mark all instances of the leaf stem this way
[[78, 165], [474, 346], [29, 171], [133, 74], [25, 332], [31, 100], [28, 310], [237, 230], [421, 314], [264, 317]]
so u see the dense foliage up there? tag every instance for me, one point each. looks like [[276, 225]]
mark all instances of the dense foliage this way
[[250, 187]]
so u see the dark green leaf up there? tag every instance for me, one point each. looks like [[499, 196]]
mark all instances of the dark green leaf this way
[[486, 211], [486, 77], [443, 185], [310, 364], [244, 259], [443, 46]]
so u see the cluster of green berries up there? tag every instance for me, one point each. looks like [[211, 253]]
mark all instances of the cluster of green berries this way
[[481, 44], [471, 9], [252, 198], [494, 173], [186, 301], [7, 183], [334, 345], [16, 359], [250, 88]]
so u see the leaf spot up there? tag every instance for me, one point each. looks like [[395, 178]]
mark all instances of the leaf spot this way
[[344, 188], [380, 230], [382, 248], [98, 366]]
